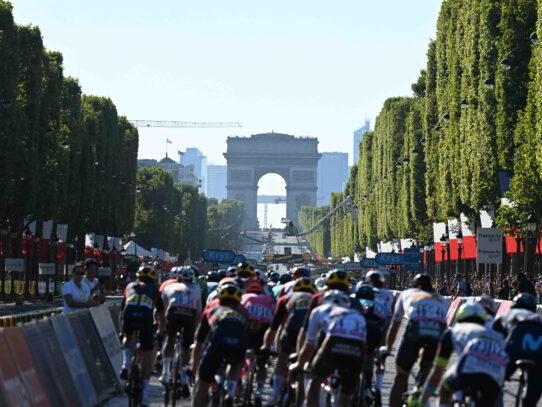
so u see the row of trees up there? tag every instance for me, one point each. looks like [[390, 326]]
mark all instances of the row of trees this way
[[476, 114], [63, 156]]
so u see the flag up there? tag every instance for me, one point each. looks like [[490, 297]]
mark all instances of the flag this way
[[169, 141]]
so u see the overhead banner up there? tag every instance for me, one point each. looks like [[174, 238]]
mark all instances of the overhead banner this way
[[489, 247], [288, 258]]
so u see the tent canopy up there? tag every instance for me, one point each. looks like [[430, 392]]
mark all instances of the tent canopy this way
[[133, 249]]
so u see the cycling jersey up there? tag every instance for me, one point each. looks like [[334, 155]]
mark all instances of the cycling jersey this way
[[182, 298], [260, 309], [426, 313], [286, 288], [386, 299], [375, 318], [316, 300], [166, 283], [292, 309]]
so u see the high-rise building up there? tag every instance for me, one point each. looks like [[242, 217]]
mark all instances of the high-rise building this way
[[193, 156], [217, 178], [332, 175], [358, 136]]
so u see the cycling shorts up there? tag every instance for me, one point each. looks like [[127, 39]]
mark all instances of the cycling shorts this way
[[255, 338], [133, 321], [288, 342], [214, 354], [487, 387], [181, 323], [409, 350], [342, 354]]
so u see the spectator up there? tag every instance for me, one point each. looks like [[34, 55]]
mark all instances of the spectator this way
[[91, 283], [538, 288], [443, 289], [461, 287], [504, 292], [524, 285], [514, 291], [74, 295]]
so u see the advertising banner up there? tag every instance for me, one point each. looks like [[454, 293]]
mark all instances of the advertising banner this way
[[394, 259], [489, 248], [218, 256], [47, 269], [288, 258], [352, 266], [412, 259], [108, 335], [14, 264], [369, 263]]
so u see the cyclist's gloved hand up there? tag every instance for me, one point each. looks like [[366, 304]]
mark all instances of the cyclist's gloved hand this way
[[384, 352]]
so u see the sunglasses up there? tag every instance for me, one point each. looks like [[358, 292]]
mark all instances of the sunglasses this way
[[79, 273]]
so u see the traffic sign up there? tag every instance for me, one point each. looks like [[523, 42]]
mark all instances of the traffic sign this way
[[390, 258], [239, 258], [369, 263], [219, 256], [412, 259], [353, 266]]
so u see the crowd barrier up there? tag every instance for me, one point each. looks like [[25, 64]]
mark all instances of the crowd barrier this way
[[63, 360]]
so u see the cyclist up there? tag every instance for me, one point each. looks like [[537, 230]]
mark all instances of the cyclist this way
[[183, 307], [284, 279], [220, 336], [426, 313], [343, 334], [274, 278], [382, 295], [481, 364], [260, 308], [141, 297], [490, 307], [375, 317], [230, 272], [245, 270], [290, 308], [202, 284], [522, 327], [299, 272]]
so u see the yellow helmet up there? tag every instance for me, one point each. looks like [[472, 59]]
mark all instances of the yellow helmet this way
[[145, 271], [339, 277], [229, 291], [304, 284], [245, 270]]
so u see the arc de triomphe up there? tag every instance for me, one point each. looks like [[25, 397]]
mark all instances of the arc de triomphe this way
[[295, 159]]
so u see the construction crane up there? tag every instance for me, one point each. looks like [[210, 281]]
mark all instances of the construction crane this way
[[170, 123]]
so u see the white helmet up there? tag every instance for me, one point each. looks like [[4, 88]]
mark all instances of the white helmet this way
[[230, 272], [336, 297], [186, 274], [320, 283], [173, 273], [472, 312], [374, 275], [488, 303]]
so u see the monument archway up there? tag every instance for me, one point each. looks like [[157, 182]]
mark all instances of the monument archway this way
[[295, 159]]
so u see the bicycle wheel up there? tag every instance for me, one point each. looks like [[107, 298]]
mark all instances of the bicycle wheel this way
[[248, 387], [134, 392], [176, 391]]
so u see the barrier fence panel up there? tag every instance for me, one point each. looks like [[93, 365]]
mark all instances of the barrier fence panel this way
[[53, 369], [505, 306], [101, 372], [454, 306], [19, 380], [109, 337], [114, 311], [74, 360]]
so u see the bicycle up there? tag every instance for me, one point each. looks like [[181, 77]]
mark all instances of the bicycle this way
[[523, 365], [293, 394], [250, 370], [134, 385], [173, 386]]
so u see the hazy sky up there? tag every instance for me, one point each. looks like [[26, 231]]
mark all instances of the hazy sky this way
[[316, 68]]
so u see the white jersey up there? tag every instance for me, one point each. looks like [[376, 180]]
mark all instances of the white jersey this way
[[480, 350], [426, 312], [385, 298], [333, 320], [185, 296], [318, 320]]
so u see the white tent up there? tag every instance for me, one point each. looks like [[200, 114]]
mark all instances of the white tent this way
[[132, 249]]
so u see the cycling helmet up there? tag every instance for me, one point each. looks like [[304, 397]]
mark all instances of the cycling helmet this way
[[254, 285], [213, 276], [352, 281], [245, 270], [488, 303], [422, 281], [221, 274], [304, 284], [524, 301], [336, 297], [173, 272], [285, 278], [301, 272], [274, 276], [337, 278], [365, 291], [374, 276], [320, 283], [471, 313], [186, 274], [195, 268], [146, 272], [260, 274], [230, 292], [230, 272]]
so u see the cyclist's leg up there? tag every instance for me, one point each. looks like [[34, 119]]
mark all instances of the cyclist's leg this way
[[189, 328], [172, 327], [288, 343], [406, 357], [426, 363], [233, 373], [128, 343], [455, 381], [208, 366], [322, 365], [255, 343], [534, 389], [350, 368], [148, 352], [368, 368]]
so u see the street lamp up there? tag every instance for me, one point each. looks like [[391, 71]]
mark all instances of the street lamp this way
[[27, 237], [459, 249], [516, 267], [443, 253], [422, 250], [530, 244]]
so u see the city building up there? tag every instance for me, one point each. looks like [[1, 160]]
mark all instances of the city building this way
[[358, 136], [181, 174], [193, 156], [333, 173], [217, 178]]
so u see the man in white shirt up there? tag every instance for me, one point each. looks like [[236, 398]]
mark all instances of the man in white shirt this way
[[74, 294], [91, 284]]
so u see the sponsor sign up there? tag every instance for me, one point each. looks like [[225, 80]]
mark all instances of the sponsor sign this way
[[390, 259], [268, 257], [252, 262], [287, 258], [219, 256], [353, 266], [14, 264], [104, 271], [239, 258], [47, 269], [412, 259], [489, 245], [338, 267], [369, 263]]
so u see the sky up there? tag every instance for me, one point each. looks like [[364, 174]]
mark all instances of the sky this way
[[307, 68]]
